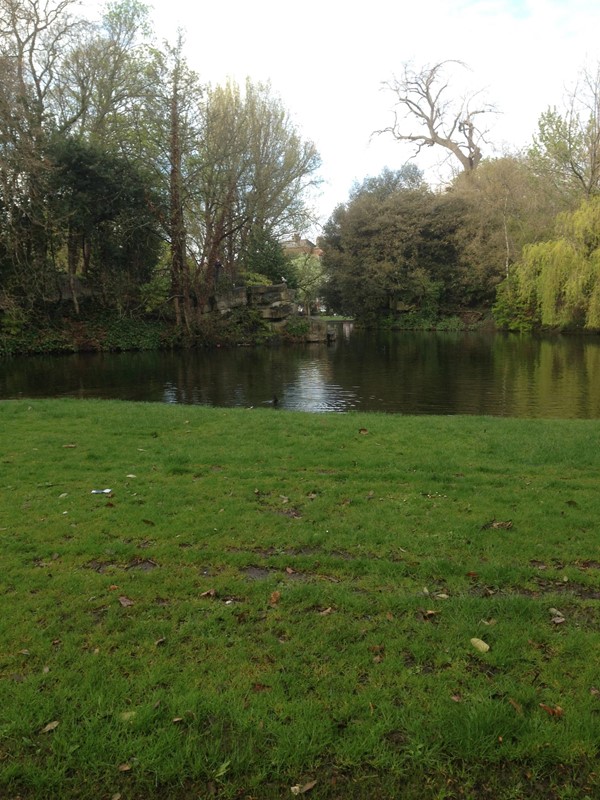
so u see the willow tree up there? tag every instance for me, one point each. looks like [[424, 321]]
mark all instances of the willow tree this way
[[557, 283]]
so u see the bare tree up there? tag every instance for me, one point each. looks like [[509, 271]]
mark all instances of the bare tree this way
[[422, 101]]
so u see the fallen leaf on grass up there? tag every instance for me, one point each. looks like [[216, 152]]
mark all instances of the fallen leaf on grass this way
[[326, 612], [160, 641], [69, 446], [260, 687], [299, 789], [517, 706], [125, 601], [555, 711], [51, 726], [594, 691], [480, 645], [274, 599], [209, 593], [124, 767], [389, 616], [116, 796], [427, 614], [363, 431], [289, 570], [456, 697], [177, 720]]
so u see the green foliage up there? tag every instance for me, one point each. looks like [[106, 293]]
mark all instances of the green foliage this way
[[254, 279], [557, 283], [263, 255], [392, 248], [297, 327]]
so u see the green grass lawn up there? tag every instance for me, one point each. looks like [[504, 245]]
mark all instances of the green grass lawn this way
[[271, 604]]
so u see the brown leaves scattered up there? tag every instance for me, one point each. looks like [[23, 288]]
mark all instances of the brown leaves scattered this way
[[51, 726], [274, 598], [126, 602]]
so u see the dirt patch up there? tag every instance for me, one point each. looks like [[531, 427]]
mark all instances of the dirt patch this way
[[99, 566], [257, 573], [143, 564]]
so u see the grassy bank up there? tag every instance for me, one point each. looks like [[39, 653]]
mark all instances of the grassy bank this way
[[269, 600]]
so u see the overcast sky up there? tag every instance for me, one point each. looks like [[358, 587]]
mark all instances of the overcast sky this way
[[327, 59]]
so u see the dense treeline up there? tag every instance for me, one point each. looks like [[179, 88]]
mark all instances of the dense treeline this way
[[122, 176], [505, 231], [128, 186]]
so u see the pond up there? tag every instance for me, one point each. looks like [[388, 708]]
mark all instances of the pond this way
[[396, 372]]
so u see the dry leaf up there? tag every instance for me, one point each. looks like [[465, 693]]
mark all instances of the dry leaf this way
[[326, 612], [160, 641], [480, 645], [456, 697], [389, 616], [289, 570], [517, 706], [69, 445], [209, 593], [553, 712], [275, 598], [116, 796], [177, 720], [125, 601], [363, 431], [260, 687], [594, 691], [51, 726], [298, 789], [124, 767]]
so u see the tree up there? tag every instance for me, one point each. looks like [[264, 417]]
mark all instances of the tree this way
[[33, 37], [557, 282], [253, 173], [392, 251], [309, 279], [506, 206], [566, 148], [426, 117]]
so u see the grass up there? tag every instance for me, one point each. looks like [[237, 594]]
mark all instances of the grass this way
[[269, 599]]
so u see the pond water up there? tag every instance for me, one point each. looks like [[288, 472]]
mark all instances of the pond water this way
[[397, 372]]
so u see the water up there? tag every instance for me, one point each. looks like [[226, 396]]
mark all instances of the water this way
[[398, 372]]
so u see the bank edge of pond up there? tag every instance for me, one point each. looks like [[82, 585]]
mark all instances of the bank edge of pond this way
[[104, 331]]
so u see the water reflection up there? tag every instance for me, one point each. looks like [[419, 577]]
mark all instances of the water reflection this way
[[407, 373]]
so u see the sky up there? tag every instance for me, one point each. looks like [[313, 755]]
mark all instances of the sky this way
[[327, 61]]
